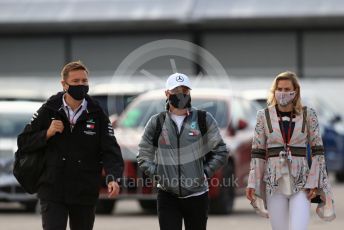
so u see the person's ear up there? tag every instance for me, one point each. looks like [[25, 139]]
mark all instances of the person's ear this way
[[64, 85], [167, 93]]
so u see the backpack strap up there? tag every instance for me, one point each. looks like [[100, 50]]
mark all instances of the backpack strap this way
[[160, 121], [304, 122], [268, 119], [202, 122], [201, 118]]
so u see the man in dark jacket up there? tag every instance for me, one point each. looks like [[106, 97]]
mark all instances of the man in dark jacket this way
[[79, 141]]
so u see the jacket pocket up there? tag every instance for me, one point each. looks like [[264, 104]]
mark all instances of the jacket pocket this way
[[89, 179], [53, 169], [192, 175]]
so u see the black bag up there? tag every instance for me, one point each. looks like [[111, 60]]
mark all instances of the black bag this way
[[28, 168], [317, 200]]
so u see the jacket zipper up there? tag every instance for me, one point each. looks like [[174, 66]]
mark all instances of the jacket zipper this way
[[179, 168], [178, 147], [72, 126]]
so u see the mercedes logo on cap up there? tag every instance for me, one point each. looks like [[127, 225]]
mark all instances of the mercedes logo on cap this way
[[179, 78]]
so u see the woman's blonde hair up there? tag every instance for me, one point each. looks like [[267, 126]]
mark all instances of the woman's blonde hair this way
[[295, 81]]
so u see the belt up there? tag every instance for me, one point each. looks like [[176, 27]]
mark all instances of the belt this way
[[295, 151]]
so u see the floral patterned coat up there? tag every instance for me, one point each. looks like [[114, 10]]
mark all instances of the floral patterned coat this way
[[265, 167]]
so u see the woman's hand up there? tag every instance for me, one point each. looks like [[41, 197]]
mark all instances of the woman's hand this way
[[312, 193], [250, 194]]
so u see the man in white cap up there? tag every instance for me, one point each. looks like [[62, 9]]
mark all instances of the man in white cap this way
[[182, 148]]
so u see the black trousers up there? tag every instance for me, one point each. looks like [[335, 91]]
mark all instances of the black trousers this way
[[55, 216], [173, 210]]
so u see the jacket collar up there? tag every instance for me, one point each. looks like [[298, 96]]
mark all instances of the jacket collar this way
[[55, 103], [188, 113]]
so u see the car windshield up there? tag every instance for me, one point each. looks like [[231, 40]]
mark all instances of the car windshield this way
[[11, 124], [139, 115]]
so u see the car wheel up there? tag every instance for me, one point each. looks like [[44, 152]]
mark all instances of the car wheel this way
[[149, 206], [224, 202], [340, 177], [105, 206], [30, 206]]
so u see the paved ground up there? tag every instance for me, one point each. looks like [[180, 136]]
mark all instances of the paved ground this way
[[128, 216]]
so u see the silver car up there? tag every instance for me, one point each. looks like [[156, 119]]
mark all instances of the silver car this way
[[14, 115]]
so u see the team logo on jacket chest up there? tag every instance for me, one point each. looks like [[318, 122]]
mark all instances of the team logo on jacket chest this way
[[90, 127], [193, 129]]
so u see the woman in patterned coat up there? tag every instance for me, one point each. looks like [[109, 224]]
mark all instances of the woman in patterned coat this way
[[281, 183]]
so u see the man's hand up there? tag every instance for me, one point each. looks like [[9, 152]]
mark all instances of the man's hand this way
[[250, 194], [56, 126], [312, 193], [113, 189]]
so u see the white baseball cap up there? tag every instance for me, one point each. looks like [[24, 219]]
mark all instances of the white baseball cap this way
[[177, 79]]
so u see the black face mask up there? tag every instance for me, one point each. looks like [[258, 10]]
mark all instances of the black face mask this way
[[180, 100], [78, 92]]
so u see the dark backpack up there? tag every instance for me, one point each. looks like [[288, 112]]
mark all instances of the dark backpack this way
[[202, 124], [201, 118], [28, 168]]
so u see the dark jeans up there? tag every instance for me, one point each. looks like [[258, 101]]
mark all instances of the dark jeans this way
[[173, 210], [55, 216]]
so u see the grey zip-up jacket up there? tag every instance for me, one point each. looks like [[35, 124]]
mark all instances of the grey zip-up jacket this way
[[178, 161]]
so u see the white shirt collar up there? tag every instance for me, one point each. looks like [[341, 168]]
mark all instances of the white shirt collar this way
[[65, 105]]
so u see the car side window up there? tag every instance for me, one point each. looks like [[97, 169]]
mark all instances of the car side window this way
[[139, 115]]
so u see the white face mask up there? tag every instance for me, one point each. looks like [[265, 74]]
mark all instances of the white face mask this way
[[285, 98]]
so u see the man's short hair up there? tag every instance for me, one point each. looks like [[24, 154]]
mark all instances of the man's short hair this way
[[72, 66]]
